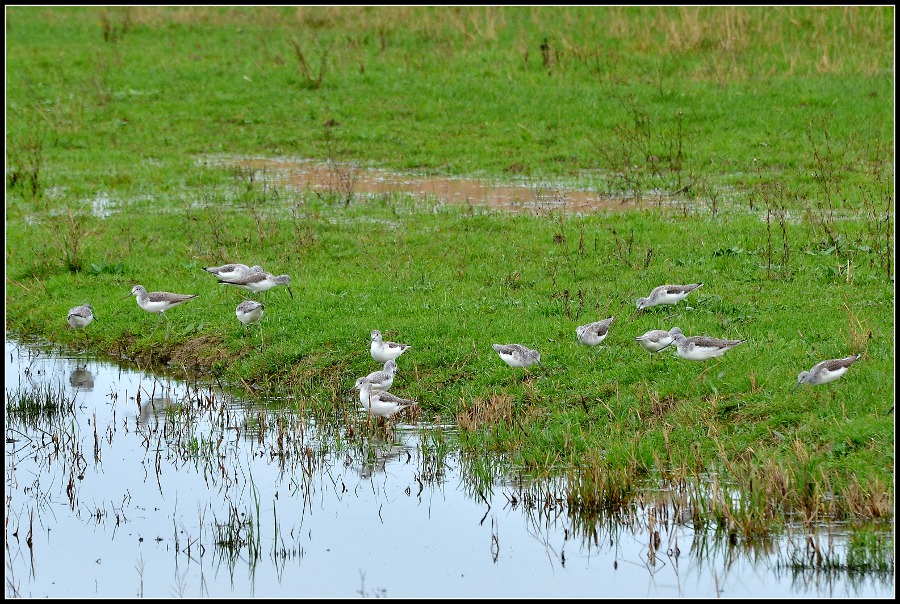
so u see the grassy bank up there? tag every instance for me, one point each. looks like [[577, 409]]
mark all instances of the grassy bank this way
[[775, 148]]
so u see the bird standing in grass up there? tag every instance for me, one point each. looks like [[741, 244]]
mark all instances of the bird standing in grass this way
[[826, 371], [593, 334], [80, 317], [516, 355], [657, 339], [665, 294], [250, 311], [382, 350], [383, 379], [701, 348], [381, 403], [232, 271], [259, 282], [159, 302]]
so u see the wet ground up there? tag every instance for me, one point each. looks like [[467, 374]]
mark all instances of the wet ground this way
[[345, 179], [137, 485]]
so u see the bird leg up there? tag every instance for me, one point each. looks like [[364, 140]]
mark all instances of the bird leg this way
[[702, 373]]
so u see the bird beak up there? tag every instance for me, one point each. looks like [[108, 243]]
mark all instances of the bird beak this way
[[634, 314], [795, 386], [290, 292], [128, 295]]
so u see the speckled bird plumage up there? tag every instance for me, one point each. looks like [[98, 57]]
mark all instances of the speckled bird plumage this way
[[701, 348], [516, 355], [826, 371], [666, 294], [594, 333]]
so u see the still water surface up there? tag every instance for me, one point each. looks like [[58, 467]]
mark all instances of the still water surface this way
[[150, 487]]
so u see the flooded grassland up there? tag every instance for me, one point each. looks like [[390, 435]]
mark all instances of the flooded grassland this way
[[122, 483]]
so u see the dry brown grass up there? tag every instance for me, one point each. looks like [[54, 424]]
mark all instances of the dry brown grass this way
[[496, 409], [733, 42], [654, 407], [858, 332], [728, 29], [872, 501]]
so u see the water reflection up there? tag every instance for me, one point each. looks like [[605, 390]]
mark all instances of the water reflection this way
[[153, 408], [82, 378], [378, 456], [170, 489]]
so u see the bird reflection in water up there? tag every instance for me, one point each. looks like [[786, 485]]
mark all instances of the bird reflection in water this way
[[82, 379], [378, 455], [152, 409]]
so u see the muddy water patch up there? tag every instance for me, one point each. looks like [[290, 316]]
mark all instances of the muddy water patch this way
[[345, 180]]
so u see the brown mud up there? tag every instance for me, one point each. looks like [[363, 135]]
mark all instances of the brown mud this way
[[346, 180]]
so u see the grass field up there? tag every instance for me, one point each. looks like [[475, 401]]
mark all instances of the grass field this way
[[765, 135]]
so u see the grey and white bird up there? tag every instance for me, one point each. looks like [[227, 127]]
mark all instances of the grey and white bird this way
[[383, 379], [81, 316], [159, 302], [382, 350], [657, 339], [701, 348], [249, 311], [234, 270], [259, 282], [594, 333], [516, 355], [826, 371], [666, 294], [381, 403]]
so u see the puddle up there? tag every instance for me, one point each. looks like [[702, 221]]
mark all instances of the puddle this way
[[121, 483], [346, 179]]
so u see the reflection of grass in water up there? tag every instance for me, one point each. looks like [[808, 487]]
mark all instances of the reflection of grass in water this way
[[240, 531], [40, 419], [597, 511], [200, 448], [599, 504], [479, 473], [234, 534], [867, 550], [45, 413], [27, 405], [434, 447], [595, 489]]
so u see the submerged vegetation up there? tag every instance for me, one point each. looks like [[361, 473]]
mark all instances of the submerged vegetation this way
[[750, 154]]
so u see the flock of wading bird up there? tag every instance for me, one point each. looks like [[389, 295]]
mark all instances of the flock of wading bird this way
[[373, 388]]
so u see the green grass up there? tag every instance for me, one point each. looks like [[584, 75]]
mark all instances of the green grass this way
[[450, 91], [771, 130]]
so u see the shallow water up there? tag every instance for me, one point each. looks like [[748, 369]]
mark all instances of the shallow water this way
[[155, 488], [347, 180]]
